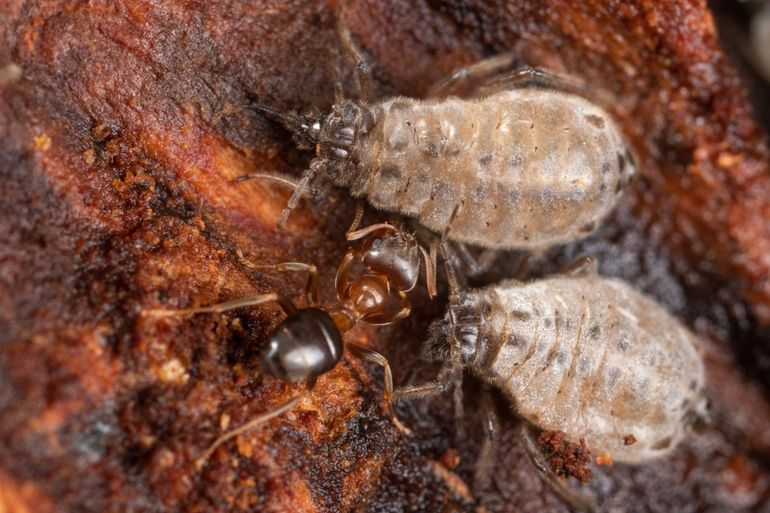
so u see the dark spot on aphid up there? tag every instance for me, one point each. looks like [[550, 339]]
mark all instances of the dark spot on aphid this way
[[623, 344], [589, 227], [629, 439], [612, 377], [663, 443], [487, 223], [434, 154], [606, 168], [485, 161], [440, 189], [621, 162], [512, 197], [631, 161], [603, 187], [391, 172], [408, 123], [693, 385], [397, 106], [595, 120], [583, 366], [521, 315], [595, 331], [548, 322]]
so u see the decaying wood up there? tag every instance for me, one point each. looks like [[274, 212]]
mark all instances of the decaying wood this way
[[119, 141]]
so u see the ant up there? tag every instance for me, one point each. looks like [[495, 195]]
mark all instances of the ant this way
[[372, 283]]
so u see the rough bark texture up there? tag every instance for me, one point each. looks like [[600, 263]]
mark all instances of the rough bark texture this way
[[118, 146]]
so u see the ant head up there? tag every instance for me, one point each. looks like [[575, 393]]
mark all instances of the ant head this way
[[395, 254], [304, 345]]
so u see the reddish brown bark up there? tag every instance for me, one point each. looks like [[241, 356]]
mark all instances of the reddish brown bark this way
[[118, 145]]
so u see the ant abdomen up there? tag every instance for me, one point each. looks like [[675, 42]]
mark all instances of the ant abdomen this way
[[305, 345]]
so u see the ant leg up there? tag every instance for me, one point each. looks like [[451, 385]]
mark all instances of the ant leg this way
[[357, 218], [253, 423], [311, 289], [387, 395], [284, 303], [363, 72], [470, 74], [491, 428], [582, 266], [577, 499]]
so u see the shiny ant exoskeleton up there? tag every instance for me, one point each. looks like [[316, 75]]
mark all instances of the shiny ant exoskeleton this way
[[372, 283]]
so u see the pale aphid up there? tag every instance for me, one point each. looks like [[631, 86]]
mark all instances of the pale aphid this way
[[525, 162]]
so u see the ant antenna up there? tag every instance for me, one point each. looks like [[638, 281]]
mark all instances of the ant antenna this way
[[256, 421]]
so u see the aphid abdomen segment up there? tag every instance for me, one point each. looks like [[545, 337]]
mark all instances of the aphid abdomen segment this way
[[592, 357], [528, 168]]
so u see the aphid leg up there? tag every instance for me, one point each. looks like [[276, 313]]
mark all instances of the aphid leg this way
[[311, 288], [529, 77], [457, 390], [421, 391], [283, 180], [387, 394], [577, 499], [316, 166], [476, 265], [357, 217], [253, 423], [363, 73], [491, 429], [521, 269], [339, 89], [582, 266], [429, 262], [469, 75], [284, 303]]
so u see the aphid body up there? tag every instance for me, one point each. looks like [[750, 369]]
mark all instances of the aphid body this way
[[586, 355], [522, 167], [529, 168]]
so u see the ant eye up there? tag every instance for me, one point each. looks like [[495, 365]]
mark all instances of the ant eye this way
[[376, 243]]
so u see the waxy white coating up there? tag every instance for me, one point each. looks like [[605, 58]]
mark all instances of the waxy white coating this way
[[592, 357], [528, 168]]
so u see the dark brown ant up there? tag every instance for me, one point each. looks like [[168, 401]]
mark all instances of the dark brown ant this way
[[372, 283]]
